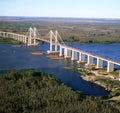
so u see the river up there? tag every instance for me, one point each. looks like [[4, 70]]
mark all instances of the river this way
[[20, 57]]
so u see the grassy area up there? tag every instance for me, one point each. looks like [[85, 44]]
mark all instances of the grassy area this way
[[76, 30], [32, 91], [112, 85]]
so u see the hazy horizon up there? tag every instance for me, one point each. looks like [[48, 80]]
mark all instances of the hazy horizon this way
[[61, 9], [59, 17]]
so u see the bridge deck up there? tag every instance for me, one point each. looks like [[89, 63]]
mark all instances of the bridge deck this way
[[93, 55]]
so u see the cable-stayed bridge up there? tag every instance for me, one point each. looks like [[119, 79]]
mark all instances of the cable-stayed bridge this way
[[32, 37]]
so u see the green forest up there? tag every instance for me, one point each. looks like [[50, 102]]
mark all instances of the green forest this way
[[33, 91]]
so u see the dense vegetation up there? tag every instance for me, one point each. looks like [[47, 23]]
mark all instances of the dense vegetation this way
[[8, 41], [71, 30], [32, 91]]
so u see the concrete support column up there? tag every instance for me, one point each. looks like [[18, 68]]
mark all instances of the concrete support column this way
[[60, 54], [110, 67], [74, 55], [67, 53], [51, 41], [51, 45], [56, 40], [90, 60], [55, 47], [99, 63], [81, 57]]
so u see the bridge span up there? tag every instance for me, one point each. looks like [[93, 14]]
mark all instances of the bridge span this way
[[59, 47]]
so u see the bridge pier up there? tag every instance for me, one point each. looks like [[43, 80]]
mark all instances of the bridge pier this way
[[90, 60], [60, 54], [99, 63], [110, 67], [55, 47], [67, 53], [81, 57], [74, 55]]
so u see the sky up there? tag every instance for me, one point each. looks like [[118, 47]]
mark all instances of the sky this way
[[61, 8]]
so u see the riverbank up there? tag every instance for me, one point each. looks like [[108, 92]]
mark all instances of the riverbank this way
[[110, 81]]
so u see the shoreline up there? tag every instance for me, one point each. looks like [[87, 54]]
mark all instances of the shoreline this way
[[7, 40], [105, 80]]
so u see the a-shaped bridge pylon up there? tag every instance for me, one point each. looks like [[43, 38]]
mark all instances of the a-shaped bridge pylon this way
[[55, 41]]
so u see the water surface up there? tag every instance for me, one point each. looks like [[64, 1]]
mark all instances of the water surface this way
[[12, 57]]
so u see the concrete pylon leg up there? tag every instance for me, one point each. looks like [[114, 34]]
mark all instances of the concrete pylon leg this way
[[55, 47], [50, 50], [50, 46], [60, 54]]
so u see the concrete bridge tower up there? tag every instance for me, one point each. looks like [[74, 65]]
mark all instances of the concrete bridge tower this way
[[32, 36]]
